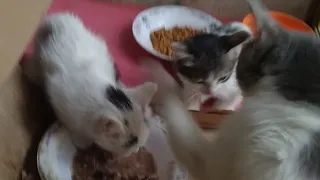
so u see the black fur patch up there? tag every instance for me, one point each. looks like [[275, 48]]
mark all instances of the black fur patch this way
[[205, 60], [116, 72], [309, 158], [132, 141], [118, 98]]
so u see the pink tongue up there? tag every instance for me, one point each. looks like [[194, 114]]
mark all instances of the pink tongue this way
[[207, 106]]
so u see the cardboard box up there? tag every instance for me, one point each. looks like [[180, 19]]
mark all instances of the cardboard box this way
[[24, 111], [17, 114]]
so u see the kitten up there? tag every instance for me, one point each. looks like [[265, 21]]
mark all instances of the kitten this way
[[276, 133], [206, 64], [80, 79]]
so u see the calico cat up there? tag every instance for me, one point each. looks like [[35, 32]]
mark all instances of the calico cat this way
[[206, 64], [81, 82], [276, 133]]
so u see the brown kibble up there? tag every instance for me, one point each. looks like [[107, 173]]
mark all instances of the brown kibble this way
[[97, 164], [161, 39]]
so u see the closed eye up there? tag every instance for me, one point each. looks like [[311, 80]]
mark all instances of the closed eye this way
[[223, 79], [126, 122], [200, 81]]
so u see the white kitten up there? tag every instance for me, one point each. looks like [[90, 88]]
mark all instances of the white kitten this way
[[80, 79]]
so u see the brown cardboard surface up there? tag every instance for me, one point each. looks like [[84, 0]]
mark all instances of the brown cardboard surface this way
[[20, 108], [18, 21], [23, 114]]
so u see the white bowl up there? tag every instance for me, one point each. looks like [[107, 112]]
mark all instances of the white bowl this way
[[56, 152], [168, 16]]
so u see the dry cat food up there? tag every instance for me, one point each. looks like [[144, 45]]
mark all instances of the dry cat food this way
[[161, 39], [97, 164]]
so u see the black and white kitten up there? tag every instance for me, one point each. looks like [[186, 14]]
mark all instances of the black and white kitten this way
[[276, 133], [206, 64], [80, 78]]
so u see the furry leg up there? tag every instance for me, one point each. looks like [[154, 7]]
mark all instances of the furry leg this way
[[185, 137]]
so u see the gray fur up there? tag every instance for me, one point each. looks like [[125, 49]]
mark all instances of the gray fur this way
[[291, 61]]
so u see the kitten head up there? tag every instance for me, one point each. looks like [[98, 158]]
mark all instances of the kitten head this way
[[279, 60], [122, 127], [208, 59]]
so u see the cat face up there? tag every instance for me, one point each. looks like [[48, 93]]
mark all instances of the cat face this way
[[123, 126], [208, 59], [281, 61]]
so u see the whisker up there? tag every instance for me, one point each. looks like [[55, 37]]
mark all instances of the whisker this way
[[195, 95]]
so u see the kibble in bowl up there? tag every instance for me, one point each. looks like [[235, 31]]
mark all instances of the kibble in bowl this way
[[161, 39], [59, 159], [156, 28]]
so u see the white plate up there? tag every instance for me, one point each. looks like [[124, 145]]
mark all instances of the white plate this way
[[56, 152], [168, 16]]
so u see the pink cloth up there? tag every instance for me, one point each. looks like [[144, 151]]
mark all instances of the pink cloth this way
[[113, 22]]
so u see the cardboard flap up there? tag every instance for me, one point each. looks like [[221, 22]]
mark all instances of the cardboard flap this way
[[19, 20]]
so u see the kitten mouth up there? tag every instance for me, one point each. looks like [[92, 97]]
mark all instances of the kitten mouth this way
[[208, 104]]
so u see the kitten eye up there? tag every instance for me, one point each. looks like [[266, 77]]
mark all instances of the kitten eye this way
[[126, 123], [132, 141], [115, 135], [223, 79], [200, 81]]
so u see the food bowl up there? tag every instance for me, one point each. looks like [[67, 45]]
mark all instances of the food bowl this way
[[56, 152], [168, 16], [286, 21]]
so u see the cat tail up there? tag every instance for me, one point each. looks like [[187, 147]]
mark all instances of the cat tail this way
[[263, 19], [185, 137]]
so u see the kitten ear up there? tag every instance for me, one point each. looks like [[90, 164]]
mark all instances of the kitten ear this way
[[235, 39], [179, 50], [142, 94], [109, 126], [267, 28], [188, 62]]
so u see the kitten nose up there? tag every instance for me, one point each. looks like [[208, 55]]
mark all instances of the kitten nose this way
[[132, 141], [205, 90]]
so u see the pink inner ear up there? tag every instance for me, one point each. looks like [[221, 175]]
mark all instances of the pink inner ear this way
[[110, 126], [143, 94]]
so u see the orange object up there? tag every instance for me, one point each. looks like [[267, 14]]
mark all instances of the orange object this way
[[286, 21]]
